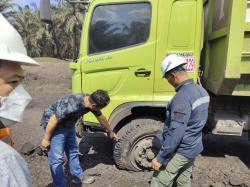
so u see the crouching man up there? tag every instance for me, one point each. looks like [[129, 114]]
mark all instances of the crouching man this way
[[59, 121]]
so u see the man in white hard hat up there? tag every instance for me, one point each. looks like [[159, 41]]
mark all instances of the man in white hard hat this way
[[13, 100], [186, 115]]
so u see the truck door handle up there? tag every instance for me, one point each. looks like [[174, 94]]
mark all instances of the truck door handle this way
[[142, 72]]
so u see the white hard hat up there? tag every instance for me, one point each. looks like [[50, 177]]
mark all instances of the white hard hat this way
[[170, 62], [11, 45]]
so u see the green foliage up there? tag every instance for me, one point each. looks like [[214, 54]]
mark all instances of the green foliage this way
[[60, 39]]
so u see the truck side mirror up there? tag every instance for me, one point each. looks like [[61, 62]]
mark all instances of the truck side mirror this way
[[45, 13]]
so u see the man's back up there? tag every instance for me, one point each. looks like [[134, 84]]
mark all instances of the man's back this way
[[198, 100], [67, 110]]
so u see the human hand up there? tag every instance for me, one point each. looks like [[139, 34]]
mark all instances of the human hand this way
[[113, 135], [45, 143], [155, 164]]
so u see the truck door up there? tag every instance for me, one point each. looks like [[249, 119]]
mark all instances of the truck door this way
[[179, 31], [118, 50]]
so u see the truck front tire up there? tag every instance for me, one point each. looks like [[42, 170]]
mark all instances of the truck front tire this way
[[137, 145]]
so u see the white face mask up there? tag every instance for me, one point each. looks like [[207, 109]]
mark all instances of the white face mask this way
[[13, 106]]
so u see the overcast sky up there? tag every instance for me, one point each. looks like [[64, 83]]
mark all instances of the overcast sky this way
[[29, 2]]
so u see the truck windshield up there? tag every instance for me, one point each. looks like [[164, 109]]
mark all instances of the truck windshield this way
[[116, 26]]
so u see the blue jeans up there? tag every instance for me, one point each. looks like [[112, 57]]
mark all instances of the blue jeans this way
[[64, 140]]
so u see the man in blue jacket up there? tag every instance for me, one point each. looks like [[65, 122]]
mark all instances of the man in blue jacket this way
[[186, 115]]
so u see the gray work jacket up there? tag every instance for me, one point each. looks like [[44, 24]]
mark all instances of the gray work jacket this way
[[186, 115]]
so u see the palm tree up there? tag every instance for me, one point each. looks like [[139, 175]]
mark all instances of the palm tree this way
[[27, 25], [68, 20], [60, 39], [6, 8], [44, 42]]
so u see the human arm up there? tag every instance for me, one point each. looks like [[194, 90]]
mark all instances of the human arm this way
[[179, 117], [104, 122], [172, 139], [49, 131]]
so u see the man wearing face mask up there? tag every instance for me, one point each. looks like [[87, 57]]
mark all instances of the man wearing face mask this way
[[13, 100]]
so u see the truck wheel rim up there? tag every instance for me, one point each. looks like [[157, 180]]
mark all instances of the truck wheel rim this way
[[143, 151]]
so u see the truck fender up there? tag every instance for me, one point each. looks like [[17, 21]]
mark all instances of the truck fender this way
[[125, 110]]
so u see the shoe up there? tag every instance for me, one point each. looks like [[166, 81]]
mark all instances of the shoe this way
[[84, 180]]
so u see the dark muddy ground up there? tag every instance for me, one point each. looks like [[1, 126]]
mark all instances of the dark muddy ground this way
[[225, 161]]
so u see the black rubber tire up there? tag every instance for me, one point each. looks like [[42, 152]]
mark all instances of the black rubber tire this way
[[79, 126], [128, 135]]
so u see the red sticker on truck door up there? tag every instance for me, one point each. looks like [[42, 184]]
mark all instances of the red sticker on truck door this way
[[190, 64]]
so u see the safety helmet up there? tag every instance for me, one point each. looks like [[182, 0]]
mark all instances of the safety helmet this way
[[170, 62], [11, 45]]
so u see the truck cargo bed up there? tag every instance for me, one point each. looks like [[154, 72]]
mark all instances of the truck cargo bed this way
[[226, 64]]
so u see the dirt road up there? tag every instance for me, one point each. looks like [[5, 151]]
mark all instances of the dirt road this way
[[225, 161]]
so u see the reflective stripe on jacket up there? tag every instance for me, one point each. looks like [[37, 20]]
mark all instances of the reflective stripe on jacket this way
[[186, 115]]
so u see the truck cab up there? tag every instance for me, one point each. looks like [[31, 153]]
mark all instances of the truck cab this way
[[122, 47]]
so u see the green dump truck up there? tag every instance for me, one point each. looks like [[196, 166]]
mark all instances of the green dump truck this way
[[122, 47]]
